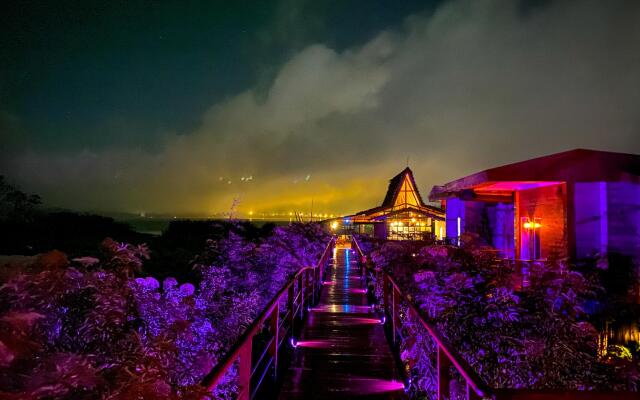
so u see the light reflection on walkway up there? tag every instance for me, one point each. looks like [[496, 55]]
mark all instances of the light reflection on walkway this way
[[342, 352]]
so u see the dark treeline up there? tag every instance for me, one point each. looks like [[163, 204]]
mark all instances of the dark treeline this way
[[72, 233], [173, 252], [27, 229]]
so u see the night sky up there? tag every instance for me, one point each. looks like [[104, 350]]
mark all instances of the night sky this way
[[182, 107]]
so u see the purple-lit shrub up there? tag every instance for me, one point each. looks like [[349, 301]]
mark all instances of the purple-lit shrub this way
[[97, 331], [535, 338]]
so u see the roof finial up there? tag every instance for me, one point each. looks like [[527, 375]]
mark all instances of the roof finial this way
[[407, 161]]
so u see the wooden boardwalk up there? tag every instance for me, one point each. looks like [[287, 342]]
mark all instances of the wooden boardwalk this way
[[342, 352]]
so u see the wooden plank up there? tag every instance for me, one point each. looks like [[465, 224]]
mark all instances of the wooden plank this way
[[342, 352]]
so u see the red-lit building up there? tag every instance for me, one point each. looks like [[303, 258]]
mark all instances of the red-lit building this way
[[403, 215], [575, 204]]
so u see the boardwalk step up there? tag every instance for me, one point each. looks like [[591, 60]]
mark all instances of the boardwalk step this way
[[342, 351]]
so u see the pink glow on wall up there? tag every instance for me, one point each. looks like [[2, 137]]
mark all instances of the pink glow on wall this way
[[512, 186]]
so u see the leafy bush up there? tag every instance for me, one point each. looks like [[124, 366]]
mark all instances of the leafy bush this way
[[536, 338], [96, 330]]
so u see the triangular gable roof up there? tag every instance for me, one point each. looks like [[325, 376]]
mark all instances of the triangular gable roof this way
[[404, 186], [402, 195]]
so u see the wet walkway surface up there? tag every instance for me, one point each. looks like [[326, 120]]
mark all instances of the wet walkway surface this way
[[342, 352]]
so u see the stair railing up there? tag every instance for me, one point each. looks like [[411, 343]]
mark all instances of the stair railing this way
[[274, 327], [395, 303]]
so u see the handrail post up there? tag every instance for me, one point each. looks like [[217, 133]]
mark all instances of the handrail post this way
[[301, 291], [312, 287], [395, 317], [291, 306], [385, 293], [316, 285], [363, 266], [320, 273], [244, 371], [307, 287], [443, 374], [273, 348]]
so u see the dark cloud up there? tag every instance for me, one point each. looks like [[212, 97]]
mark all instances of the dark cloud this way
[[476, 84]]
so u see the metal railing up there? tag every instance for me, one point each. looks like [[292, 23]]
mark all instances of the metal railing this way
[[401, 313], [446, 357], [273, 326]]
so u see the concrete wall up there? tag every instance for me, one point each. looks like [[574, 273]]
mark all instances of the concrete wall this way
[[591, 219], [623, 213], [454, 210], [475, 218], [470, 214], [492, 221], [501, 225], [607, 219]]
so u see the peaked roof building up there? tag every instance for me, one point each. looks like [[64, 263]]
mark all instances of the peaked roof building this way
[[403, 215]]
